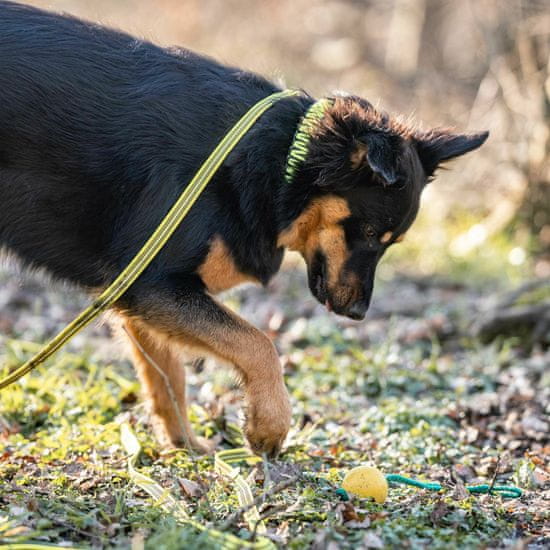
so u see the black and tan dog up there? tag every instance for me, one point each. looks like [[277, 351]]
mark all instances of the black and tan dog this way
[[99, 133]]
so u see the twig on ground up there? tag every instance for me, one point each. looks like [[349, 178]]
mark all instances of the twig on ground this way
[[267, 476], [54, 518], [502, 320], [510, 298], [493, 481]]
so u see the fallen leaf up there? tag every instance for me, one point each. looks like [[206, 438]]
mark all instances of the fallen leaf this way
[[191, 488], [347, 511], [439, 511]]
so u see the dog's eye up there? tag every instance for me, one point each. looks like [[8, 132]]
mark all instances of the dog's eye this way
[[369, 231]]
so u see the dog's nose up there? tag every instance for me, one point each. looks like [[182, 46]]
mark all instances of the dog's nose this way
[[357, 310]]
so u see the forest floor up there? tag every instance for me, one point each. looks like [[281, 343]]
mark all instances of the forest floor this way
[[409, 390]]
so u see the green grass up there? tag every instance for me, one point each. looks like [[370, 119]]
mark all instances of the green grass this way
[[64, 474]]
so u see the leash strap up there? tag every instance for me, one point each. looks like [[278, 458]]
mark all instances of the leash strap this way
[[157, 240], [163, 498]]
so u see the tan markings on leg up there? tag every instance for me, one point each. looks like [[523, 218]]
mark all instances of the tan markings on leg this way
[[218, 271], [235, 341], [149, 348], [318, 228], [253, 354]]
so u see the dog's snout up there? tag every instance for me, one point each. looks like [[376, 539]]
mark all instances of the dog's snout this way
[[357, 310]]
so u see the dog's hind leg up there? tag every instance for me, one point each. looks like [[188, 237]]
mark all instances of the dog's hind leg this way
[[162, 375]]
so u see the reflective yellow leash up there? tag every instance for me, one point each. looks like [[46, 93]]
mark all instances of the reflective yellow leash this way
[[157, 240]]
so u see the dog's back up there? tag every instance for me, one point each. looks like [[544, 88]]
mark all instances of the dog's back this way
[[99, 133], [91, 121]]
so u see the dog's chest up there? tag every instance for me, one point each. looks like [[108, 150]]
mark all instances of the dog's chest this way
[[218, 271]]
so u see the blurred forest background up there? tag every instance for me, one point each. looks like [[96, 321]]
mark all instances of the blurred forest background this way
[[447, 379], [473, 64]]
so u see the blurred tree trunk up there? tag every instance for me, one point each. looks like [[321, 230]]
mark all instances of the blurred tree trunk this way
[[531, 56], [518, 45], [404, 37]]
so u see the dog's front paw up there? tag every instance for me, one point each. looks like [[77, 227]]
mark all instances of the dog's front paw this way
[[268, 421]]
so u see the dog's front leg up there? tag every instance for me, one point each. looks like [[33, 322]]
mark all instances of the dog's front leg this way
[[197, 320]]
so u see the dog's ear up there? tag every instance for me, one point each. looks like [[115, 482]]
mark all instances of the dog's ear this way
[[380, 151], [439, 145]]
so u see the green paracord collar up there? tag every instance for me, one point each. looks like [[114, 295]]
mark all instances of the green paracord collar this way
[[298, 151]]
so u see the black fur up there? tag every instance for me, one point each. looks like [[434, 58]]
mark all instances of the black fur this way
[[100, 132]]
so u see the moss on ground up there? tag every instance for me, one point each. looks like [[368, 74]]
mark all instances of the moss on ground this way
[[64, 478]]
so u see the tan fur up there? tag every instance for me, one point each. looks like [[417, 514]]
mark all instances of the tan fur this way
[[386, 237], [318, 228], [218, 271], [234, 341], [401, 238], [257, 361], [148, 345], [358, 156]]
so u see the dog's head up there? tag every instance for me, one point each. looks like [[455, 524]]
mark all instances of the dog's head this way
[[364, 174]]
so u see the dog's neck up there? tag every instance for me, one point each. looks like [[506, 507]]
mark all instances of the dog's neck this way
[[297, 154]]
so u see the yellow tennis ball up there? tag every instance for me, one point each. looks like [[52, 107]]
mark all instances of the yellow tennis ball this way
[[366, 481]]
